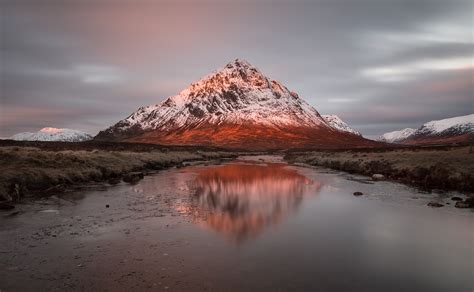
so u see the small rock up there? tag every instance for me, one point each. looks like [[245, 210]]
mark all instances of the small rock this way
[[468, 203], [461, 205], [378, 176], [435, 204], [6, 206], [106, 206], [357, 194], [457, 199]]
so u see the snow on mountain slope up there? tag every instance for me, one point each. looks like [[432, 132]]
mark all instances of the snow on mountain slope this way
[[236, 106], [452, 130], [338, 124], [53, 134], [239, 93], [396, 136], [462, 124]]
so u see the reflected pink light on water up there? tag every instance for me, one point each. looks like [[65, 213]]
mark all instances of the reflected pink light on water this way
[[242, 200]]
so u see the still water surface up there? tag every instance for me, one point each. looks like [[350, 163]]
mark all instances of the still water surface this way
[[245, 225]]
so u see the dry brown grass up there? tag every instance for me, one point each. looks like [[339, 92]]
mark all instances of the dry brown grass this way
[[24, 170], [446, 168]]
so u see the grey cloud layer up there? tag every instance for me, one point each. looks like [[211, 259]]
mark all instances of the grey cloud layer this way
[[87, 64]]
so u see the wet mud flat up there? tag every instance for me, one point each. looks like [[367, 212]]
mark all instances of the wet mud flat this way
[[253, 224]]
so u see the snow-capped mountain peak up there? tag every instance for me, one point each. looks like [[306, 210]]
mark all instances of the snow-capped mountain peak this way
[[335, 122], [236, 106], [238, 93], [53, 134], [396, 136], [462, 123], [451, 130]]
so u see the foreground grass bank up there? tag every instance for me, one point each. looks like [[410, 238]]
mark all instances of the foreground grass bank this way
[[37, 171], [447, 168]]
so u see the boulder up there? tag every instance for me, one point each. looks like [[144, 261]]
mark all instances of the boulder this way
[[435, 204], [468, 203], [461, 205], [378, 176], [357, 194]]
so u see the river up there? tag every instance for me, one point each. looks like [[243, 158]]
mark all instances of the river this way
[[254, 224]]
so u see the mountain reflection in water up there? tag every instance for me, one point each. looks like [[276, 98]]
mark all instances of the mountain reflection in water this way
[[242, 200]]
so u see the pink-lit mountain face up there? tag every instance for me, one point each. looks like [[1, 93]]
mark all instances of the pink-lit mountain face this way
[[235, 107]]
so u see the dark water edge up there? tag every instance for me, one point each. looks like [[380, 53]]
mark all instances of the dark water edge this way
[[242, 226]]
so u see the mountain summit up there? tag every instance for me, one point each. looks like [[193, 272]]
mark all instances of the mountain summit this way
[[235, 107]]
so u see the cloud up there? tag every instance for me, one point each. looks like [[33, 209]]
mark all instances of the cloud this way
[[94, 74], [341, 100], [460, 82], [407, 71], [105, 60]]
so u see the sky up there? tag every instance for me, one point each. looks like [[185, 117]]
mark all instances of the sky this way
[[380, 65]]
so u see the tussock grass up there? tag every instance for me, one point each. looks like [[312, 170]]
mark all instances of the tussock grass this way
[[449, 168], [24, 170]]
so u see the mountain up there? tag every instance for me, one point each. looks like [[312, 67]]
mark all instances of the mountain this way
[[235, 107], [452, 130], [53, 134], [338, 124], [397, 136]]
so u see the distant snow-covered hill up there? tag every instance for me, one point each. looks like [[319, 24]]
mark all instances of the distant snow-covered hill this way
[[452, 130], [338, 124], [53, 134], [396, 136]]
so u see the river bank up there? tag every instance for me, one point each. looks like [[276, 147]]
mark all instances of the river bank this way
[[37, 169], [443, 168], [42, 169]]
